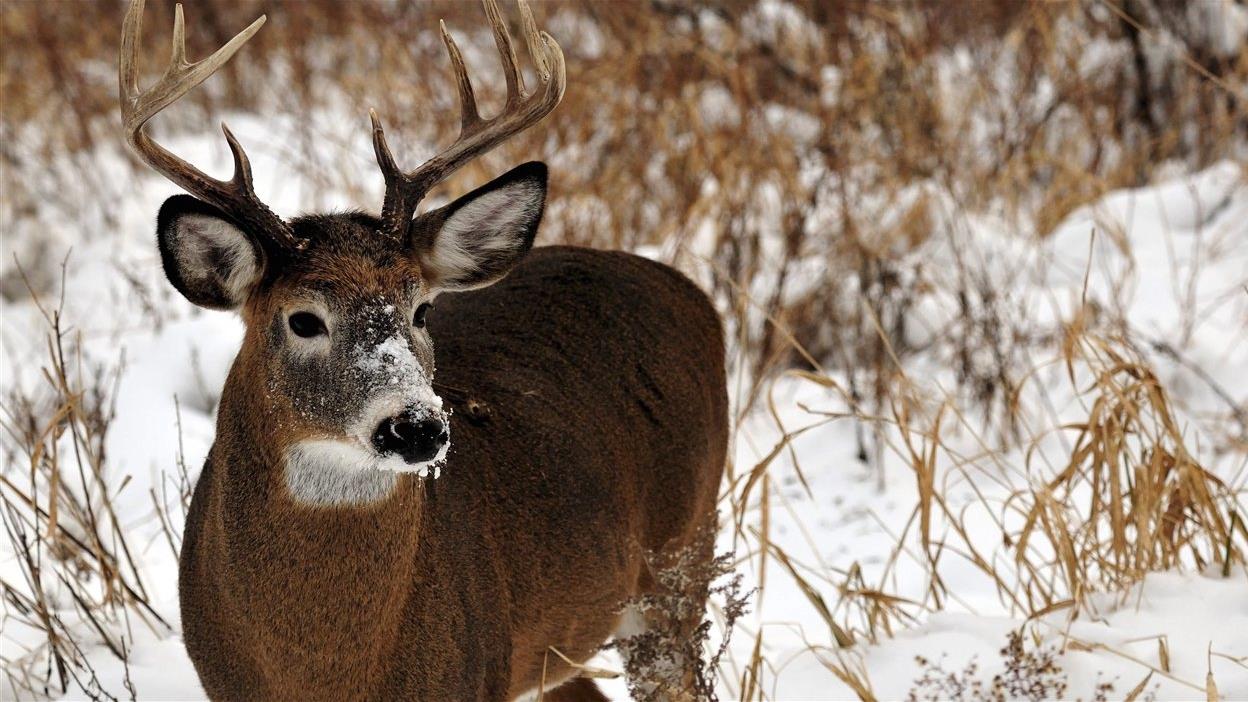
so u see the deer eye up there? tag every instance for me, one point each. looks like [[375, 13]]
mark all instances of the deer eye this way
[[418, 320], [307, 325]]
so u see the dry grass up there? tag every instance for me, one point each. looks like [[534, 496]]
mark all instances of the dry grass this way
[[696, 129], [1131, 499], [67, 540], [758, 154]]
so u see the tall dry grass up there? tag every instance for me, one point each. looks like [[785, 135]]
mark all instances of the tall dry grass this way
[[79, 579], [1131, 498], [767, 137]]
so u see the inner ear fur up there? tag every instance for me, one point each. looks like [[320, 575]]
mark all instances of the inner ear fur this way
[[473, 241], [206, 256]]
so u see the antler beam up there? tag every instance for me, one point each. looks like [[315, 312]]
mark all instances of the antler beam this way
[[236, 197]]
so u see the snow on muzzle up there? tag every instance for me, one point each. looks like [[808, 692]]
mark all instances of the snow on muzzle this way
[[404, 421]]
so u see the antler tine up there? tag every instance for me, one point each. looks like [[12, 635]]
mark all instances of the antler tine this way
[[476, 135], [469, 118], [177, 54], [242, 165], [127, 65], [236, 197], [506, 52], [395, 203], [533, 39]]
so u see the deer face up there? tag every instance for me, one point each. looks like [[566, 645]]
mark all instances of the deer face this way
[[336, 351]]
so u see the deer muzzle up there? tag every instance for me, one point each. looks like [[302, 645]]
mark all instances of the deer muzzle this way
[[416, 435]]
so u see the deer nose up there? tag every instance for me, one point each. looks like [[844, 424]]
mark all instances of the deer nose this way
[[416, 440]]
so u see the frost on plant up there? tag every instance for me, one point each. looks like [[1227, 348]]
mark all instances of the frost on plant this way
[[666, 658], [1032, 675]]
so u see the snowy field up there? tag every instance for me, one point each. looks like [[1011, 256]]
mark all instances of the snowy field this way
[[807, 516], [1182, 254], [1018, 469]]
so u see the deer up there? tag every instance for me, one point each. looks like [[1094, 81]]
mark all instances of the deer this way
[[361, 531]]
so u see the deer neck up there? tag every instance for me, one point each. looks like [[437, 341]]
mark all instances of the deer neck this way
[[309, 579]]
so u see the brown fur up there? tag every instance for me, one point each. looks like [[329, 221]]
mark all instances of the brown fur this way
[[589, 425]]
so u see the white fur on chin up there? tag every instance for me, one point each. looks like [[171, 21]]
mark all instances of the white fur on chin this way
[[330, 472]]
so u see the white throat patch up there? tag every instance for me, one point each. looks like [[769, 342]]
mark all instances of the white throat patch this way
[[334, 473]]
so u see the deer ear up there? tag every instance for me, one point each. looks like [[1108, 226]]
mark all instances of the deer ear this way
[[476, 240], [206, 257]]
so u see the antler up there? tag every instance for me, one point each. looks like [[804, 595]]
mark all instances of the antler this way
[[236, 197], [476, 135]]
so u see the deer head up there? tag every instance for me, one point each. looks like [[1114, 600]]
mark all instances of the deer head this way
[[336, 370]]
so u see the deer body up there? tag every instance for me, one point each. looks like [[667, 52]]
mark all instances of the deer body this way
[[598, 445], [361, 531]]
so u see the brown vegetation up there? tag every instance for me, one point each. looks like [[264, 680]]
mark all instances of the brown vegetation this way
[[730, 116], [737, 149]]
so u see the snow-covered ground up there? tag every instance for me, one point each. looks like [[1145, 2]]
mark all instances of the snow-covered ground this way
[[1172, 259]]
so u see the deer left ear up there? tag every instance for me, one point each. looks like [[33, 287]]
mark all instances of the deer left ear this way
[[476, 240]]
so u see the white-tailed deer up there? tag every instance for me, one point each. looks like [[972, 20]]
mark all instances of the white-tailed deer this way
[[584, 424]]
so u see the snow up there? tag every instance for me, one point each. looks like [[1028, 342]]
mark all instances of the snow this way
[[1219, 26], [1195, 614], [393, 359], [405, 383], [1171, 257]]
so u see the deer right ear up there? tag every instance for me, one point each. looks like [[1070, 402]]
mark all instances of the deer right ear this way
[[206, 257]]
